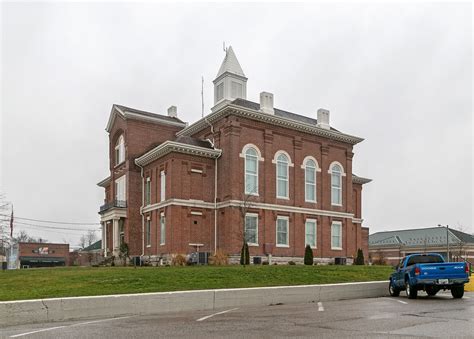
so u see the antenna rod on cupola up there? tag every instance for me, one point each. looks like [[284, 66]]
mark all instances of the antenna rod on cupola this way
[[202, 96]]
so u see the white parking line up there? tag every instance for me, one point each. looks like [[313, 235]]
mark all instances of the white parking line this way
[[210, 316], [320, 306], [400, 301], [58, 327], [42, 330]]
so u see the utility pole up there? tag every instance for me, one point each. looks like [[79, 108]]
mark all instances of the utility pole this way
[[447, 240]]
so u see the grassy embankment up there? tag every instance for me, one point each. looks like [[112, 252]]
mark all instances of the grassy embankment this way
[[79, 281]]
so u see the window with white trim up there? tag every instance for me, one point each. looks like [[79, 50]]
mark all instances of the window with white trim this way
[[119, 150], [148, 232], [251, 228], [336, 235], [310, 180], [162, 228], [310, 233], [120, 189], [147, 191], [282, 165], [336, 185], [163, 186], [282, 232], [251, 171]]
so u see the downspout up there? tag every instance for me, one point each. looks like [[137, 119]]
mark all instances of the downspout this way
[[215, 185], [215, 203]]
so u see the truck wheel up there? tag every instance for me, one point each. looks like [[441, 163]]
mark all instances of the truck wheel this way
[[394, 292], [412, 292], [431, 290], [457, 291]]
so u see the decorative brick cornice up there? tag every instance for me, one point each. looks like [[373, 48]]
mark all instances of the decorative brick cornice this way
[[173, 146], [360, 180], [270, 119]]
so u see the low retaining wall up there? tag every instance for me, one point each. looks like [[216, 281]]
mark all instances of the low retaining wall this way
[[59, 309]]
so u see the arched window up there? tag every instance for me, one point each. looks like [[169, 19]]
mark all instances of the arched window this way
[[310, 180], [251, 171], [282, 163], [119, 150], [336, 184]]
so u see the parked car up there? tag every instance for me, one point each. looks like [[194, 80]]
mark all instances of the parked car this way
[[429, 273]]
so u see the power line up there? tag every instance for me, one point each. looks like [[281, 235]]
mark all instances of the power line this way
[[54, 222], [54, 227]]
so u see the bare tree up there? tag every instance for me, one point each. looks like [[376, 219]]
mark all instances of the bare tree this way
[[245, 206], [87, 239], [5, 214], [23, 236], [459, 249]]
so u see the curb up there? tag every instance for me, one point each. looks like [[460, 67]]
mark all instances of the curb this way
[[78, 308]]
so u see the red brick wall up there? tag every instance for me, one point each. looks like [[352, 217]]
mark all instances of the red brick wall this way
[[231, 135]]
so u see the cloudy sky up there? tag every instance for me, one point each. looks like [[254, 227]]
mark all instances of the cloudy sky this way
[[398, 75]]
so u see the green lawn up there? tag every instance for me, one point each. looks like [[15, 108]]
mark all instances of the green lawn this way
[[80, 281]]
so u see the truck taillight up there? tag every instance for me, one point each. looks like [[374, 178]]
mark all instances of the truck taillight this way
[[467, 268], [417, 270]]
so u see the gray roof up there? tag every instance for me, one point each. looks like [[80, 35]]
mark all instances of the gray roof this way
[[432, 236], [278, 112], [145, 113], [193, 141]]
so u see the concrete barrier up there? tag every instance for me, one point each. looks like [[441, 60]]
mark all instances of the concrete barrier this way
[[107, 306]]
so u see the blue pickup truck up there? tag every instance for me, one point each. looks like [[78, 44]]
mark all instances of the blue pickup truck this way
[[430, 273]]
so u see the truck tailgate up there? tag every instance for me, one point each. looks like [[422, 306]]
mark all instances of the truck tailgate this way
[[442, 271]]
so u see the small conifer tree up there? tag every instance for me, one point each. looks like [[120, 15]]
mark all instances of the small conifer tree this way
[[360, 257], [244, 254], [308, 255]]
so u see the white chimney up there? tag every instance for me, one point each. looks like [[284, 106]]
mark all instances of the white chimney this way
[[266, 103], [173, 112], [323, 118]]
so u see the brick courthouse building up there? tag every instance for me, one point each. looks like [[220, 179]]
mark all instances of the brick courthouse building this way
[[284, 178]]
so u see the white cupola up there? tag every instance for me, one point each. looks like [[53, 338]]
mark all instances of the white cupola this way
[[230, 82]]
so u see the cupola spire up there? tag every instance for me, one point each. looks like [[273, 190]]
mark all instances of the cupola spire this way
[[230, 82]]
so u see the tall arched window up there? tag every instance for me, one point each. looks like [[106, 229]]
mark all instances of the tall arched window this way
[[119, 150], [282, 176], [310, 180], [336, 184], [251, 171]]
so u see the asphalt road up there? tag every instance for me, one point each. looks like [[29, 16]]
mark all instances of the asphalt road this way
[[439, 316]]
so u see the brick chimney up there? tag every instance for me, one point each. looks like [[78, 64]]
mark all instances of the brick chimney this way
[[323, 118], [266, 103], [173, 112]]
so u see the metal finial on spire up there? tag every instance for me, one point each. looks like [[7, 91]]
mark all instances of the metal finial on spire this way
[[223, 46]]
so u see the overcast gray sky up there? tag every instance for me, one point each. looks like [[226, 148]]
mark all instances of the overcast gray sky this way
[[398, 75]]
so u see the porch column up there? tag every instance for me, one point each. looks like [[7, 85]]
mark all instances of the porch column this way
[[104, 238], [116, 235]]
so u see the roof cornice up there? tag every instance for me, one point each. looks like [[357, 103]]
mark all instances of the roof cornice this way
[[130, 115], [267, 118], [173, 146], [104, 182], [360, 180]]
